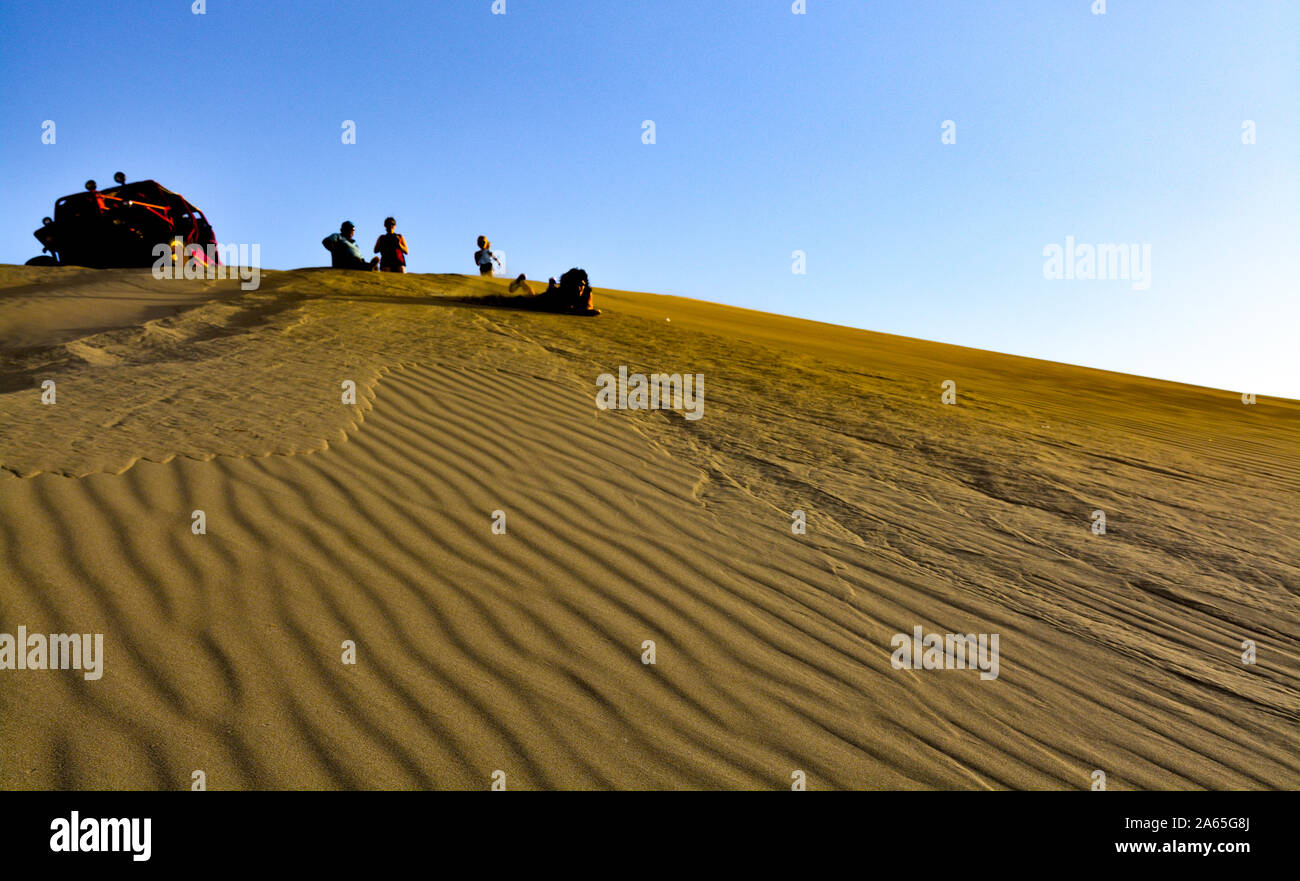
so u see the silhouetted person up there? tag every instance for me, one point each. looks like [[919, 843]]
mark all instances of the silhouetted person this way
[[345, 253], [572, 293], [391, 248]]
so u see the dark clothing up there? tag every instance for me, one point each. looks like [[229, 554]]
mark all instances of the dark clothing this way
[[391, 258], [575, 289], [572, 294]]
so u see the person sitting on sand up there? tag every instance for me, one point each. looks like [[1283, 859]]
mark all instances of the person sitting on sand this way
[[391, 248], [345, 253], [521, 284], [483, 257]]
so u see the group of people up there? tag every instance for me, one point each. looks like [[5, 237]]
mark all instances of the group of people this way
[[572, 293], [345, 253]]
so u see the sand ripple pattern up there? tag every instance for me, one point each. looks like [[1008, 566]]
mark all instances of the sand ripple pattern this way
[[521, 652]]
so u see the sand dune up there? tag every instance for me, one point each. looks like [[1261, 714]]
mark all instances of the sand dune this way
[[522, 652]]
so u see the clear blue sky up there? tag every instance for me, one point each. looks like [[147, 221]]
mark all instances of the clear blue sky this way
[[775, 132]]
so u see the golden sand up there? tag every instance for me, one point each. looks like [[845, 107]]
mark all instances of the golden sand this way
[[523, 652]]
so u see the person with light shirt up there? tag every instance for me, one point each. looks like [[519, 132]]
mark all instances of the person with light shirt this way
[[483, 257], [345, 253]]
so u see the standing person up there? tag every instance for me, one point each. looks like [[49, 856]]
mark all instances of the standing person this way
[[484, 256], [345, 253], [391, 248]]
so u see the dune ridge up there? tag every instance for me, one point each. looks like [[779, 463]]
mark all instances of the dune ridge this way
[[522, 652]]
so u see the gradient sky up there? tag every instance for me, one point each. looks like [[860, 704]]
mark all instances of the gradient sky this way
[[775, 132]]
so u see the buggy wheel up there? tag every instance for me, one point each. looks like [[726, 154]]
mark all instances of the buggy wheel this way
[[43, 260]]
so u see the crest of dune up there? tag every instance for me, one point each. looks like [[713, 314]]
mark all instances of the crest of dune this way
[[523, 650]]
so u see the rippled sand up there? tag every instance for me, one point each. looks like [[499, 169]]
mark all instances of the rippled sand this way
[[522, 652]]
